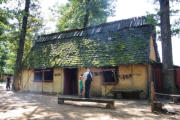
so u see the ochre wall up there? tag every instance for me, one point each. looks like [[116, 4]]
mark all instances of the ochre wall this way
[[152, 50], [54, 87], [137, 80]]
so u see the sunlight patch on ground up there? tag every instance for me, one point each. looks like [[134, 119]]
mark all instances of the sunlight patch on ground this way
[[98, 117], [16, 112], [24, 106]]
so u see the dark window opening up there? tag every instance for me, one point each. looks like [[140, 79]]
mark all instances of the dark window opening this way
[[37, 75], [43, 75], [110, 75], [48, 75]]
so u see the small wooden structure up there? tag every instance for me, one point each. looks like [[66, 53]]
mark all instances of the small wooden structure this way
[[109, 105]]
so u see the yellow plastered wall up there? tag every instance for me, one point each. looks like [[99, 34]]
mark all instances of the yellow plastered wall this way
[[138, 81], [56, 86], [95, 89], [152, 50]]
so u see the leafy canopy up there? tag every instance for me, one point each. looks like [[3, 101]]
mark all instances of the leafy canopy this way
[[174, 18], [73, 13], [11, 14]]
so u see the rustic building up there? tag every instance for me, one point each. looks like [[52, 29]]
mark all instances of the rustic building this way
[[120, 55]]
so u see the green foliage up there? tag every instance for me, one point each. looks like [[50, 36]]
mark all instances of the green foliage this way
[[151, 19], [3, 43], [10, 26], [174, 18], [3, 57], [2, 1], [73, 13], [3, 20], [97, 50], [7, 58], [175, 28]]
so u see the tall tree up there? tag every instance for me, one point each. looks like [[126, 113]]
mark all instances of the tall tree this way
[[10, 27], [3, 44], [167, 59], [167, 30], [16, 82], [86, 16], [78, 14]]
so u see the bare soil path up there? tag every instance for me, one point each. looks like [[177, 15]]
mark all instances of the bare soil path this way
[[23, 106]]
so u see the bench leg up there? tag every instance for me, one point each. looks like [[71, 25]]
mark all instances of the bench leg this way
[[110, 105], [60, 101]]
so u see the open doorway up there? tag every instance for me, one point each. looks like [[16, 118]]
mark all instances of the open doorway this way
[[70, 81]]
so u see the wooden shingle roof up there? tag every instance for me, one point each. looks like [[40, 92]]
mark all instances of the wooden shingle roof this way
[[109, 44]]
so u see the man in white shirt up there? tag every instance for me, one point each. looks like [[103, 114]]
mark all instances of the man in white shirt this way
[[88, 78]]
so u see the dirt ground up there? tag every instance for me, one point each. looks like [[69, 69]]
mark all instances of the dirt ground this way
[[25, 106]]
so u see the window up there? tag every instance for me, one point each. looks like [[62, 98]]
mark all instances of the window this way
[[37, 75], [48, 75], [109, 75], [45, 75]]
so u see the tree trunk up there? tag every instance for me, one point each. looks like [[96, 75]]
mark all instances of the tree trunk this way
[[168, 73], [86, 17], [17, 70]]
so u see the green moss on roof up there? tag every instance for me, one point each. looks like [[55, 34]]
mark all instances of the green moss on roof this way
[[127, 46]]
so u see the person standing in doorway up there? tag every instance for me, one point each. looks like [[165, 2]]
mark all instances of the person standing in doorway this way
[[81, 84], [8, 81], [88, 79]]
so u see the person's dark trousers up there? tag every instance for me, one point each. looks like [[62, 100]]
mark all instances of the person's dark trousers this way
[[87, 88], [8, 86]]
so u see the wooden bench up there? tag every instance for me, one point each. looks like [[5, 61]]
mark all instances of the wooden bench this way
[[172, 96], [115, 92], [109, 105]]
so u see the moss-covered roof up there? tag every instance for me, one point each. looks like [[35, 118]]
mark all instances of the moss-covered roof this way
[[80, 48]]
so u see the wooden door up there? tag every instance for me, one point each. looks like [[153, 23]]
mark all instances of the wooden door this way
[[70, 82]]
